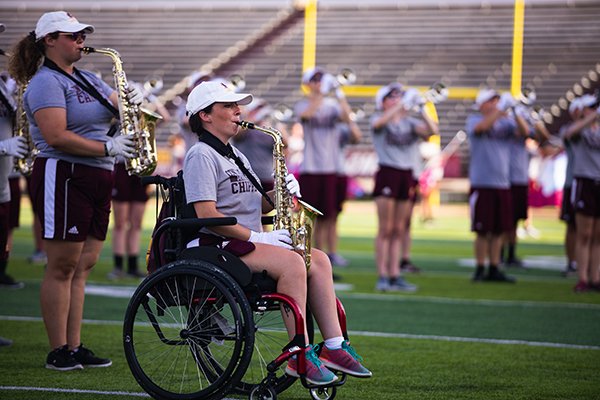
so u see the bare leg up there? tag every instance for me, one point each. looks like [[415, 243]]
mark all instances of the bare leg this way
[[55, 290], [583, 245], [288, 269], [89, 257], [321, 295], [121, 213]]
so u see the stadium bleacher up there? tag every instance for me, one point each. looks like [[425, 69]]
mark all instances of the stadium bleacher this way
[[416, 43]]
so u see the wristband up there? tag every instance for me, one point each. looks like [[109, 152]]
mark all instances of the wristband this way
[[105, 150]]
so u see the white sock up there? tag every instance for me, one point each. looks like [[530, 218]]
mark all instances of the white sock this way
[[334, 343]]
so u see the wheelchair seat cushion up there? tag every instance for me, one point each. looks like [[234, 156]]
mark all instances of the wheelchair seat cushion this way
[[223, 259]]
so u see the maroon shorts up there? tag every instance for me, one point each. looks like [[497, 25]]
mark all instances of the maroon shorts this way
[[567, 213], [71, 200], [586, 197], [341, 190], [319, 190], [15, 202], [236, 247], [394, 183], [491, 210], [128, 187], [520, 201], [4, 219]]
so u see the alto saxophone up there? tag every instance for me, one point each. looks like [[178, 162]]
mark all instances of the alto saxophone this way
[[21, 128], [136, 121], [294, 215]]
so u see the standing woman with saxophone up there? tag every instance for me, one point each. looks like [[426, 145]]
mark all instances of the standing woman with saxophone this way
[[70, 112], [218, 183]]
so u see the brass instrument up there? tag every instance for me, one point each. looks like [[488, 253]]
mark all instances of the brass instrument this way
[[24, 165], [236, 82], [435, 94], [298, 218], [21, 128], [346, 76], [136, 121]]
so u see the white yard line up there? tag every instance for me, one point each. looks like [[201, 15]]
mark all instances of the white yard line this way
[[380, 334]]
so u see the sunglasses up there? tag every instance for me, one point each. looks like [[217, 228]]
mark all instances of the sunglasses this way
[[75, 36], [316, 78]]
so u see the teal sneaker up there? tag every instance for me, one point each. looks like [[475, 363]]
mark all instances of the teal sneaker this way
[[316, 372], [344, 360]]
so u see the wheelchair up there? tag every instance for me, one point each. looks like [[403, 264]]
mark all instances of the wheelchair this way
[[202, 326]]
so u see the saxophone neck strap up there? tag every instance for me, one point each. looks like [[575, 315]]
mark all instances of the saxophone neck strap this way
[[226, 151], [84, 84]]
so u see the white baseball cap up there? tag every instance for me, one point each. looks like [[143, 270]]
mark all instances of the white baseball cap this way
[[575, 105], [207, 93], [310, 73], [587, 100], [384, 91], [2, 28], [483, 96], [59, 21]]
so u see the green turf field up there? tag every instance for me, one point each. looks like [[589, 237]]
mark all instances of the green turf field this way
[[450, 340]]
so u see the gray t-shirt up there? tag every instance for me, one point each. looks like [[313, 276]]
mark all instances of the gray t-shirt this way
[[209, 176], [86, 116], [396, 143], [490, 153], [586, 152], [321, 137], [258, 149], [6, 162], [519, 162]]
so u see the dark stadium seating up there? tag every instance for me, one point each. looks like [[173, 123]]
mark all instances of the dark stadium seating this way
[[416, 44]]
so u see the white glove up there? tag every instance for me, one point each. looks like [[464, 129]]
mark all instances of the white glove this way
[[411, 98], [16, 146], [280, 237], [121, 145], [292, 185], [135, 95], [328, 83], [506, 101]]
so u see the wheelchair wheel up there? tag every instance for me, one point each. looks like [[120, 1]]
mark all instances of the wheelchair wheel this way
[[323, 393], [270, 337], [186, 335]]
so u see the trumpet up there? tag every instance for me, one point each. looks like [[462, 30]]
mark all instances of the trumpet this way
[[282, 113], [236, 82], [413, 100], [527, 96], [346, 77], [152, 86]]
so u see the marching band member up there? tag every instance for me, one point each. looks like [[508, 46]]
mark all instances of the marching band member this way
[[318, 114], [214, 177], [70, 113], [396, 136], [584, 136], [490, 131], [9, 147]]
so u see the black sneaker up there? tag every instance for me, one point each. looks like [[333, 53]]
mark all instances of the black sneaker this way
[[495, 275], [61, 359], [87, 358], [7, 281], [478, 275], [514, 262]]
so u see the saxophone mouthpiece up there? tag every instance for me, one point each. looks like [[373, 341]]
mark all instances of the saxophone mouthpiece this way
[[246, 124], [88, 50]]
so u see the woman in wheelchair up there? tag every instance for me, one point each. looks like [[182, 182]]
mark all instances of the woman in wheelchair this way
[[216, 186]]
